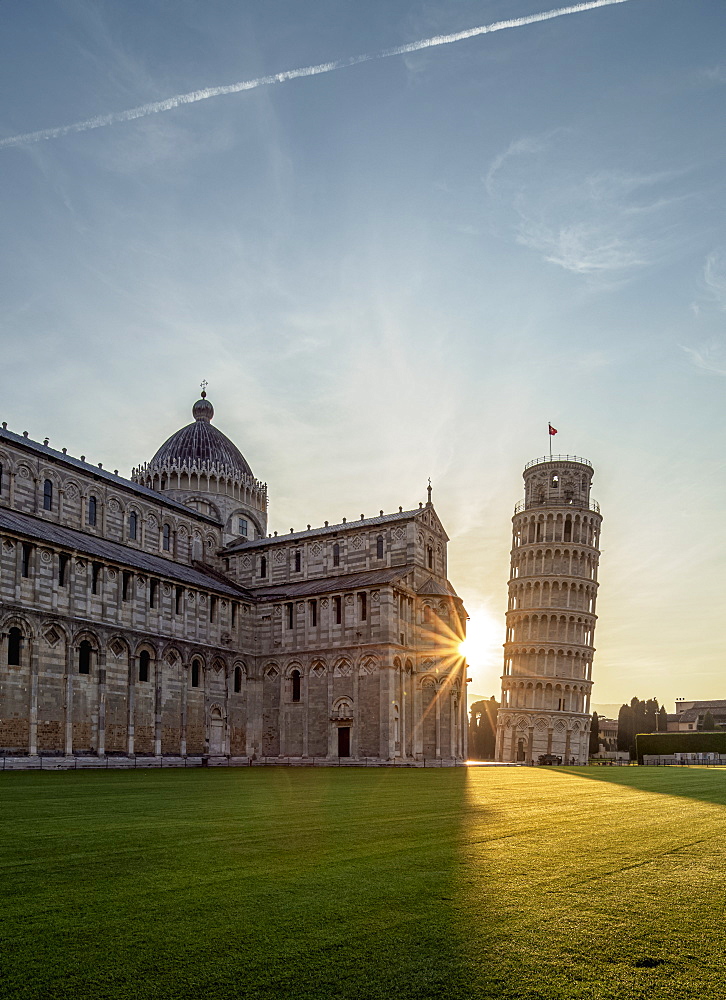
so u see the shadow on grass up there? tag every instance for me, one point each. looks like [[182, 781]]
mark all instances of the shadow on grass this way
[[264, 883], [702, 783]]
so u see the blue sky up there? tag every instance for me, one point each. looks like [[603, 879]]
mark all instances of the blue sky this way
[[395, 270]]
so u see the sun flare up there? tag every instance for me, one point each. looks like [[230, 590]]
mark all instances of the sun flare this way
[[482, 647]]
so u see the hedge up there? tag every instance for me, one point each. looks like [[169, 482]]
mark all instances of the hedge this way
[[668, 743]]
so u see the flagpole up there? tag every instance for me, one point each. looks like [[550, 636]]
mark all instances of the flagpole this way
[[549, 435]]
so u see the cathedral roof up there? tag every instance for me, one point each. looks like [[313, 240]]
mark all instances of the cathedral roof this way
[[97, 472], [123, 555], [201, 446], [329, 529], [432, 587]]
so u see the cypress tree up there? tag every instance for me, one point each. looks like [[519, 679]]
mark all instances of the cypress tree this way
[[651, 716], [709, 723], [594, 735], [662, 720], [625, 727]]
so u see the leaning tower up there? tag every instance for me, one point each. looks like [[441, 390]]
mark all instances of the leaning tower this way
[[551, 615]]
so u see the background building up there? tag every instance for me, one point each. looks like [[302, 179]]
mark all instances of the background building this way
[[547, 679], [157, 616], [691, 715]]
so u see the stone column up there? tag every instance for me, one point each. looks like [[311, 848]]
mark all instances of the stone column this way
[[130, 704], [305, 695], [332, 730], [402, 714], [227, 729], [68, 700], [355, 728], [33, 721], [183, 720], [157, 704], [101, 746], [437, 696]]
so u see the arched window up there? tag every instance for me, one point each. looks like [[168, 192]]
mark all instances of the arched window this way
[[237, 680], [144, 658], [296, 685], [15, 639], [263, 566], [427, 613], [84, 657], [92, 510], [336, 555], [195, 673], [298, 561], [133, 525], [166, 537], [47, 495], [379, 547], [430, 556]]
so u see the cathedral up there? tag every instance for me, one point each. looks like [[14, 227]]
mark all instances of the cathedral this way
[[156, 616]]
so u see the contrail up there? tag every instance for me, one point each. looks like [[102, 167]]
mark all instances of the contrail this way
[[293, 74]]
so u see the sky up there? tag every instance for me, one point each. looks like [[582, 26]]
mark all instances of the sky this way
[[395, 268]]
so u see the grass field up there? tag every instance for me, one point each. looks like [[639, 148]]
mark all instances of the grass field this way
[[284, 882]]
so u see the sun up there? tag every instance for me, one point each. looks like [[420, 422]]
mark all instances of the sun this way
[[482, 647]]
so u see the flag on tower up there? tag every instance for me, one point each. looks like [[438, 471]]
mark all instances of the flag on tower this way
[[553, 430]]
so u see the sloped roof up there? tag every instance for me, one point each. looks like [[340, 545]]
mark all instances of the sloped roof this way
[[327, 585], [328, 529], [41, 531], [433, 587], [700, 708], [103, 474]]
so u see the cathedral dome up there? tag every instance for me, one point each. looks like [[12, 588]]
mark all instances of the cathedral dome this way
[[199, 445]]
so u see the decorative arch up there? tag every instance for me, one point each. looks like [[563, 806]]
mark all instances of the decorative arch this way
[[17, 621], [343, 708]]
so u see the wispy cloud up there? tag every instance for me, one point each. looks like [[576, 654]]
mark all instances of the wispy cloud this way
[[714, 277], [582, 248], [709, 358], [519, 147], [603, 225], [713, 76], [206, 93]]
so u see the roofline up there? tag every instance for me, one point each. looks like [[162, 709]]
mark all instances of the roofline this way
[[212, 579], [28, 444], [330, 584], [327, 529]]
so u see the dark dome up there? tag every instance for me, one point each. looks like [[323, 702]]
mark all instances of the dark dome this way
[[201, 445]]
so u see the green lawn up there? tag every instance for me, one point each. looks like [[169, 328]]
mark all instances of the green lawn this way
[[284, 882]]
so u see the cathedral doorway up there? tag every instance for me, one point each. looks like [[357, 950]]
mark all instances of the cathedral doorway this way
[[216, 733], [344, 741], [520, 749]]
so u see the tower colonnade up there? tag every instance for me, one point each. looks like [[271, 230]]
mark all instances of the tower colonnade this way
[[547, 675]]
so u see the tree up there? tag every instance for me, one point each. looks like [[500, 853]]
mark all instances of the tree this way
[[651, 716], [625, 727], [709, 723], [594, 735], [639, 717]]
